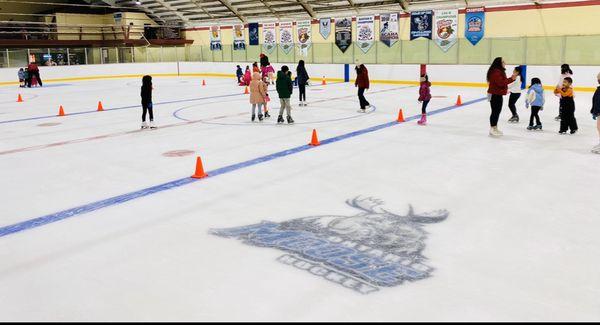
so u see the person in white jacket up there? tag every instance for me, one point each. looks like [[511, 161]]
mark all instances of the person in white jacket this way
[[515, 90]]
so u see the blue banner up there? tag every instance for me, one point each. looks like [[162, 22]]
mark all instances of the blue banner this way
[[421, 24], [253, 33], [475, 24]]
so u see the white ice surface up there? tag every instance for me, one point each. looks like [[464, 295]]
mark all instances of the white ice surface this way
[[521, 241]]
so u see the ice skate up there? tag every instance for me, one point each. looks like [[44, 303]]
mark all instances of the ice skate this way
[[260, 117], [290, 120], [531, 128], [280, 119], [538, 127], [514, 119], [596, 149], [152, 125], [494, 132], [144, 125], [253, 117], [362, 110], [267, 115], [573, 131], [423, 120]]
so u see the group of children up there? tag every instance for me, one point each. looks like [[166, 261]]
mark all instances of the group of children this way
[[259, 95]]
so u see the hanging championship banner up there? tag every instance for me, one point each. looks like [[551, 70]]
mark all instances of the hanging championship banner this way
[[388, 29], [420, 24], [215, 38], [446, 28], [343, 33], [286, 38], [269, 40], [325, 27], [239, 42], [365, 32], [304, 31], [253, 33], [475, 24]]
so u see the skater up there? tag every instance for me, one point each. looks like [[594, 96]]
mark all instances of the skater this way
[[257, 95], [267, 98], [284, 89], [515, 93], [21, 75], [34, 72], [239, 75], [565, 71], [264, 60], [535, 99], [424, 98], [303, 78], [146, 94], [567, 104], [498, 87], [596, 114], [247, 76], [268, 73], [255, 68], [362, 82]]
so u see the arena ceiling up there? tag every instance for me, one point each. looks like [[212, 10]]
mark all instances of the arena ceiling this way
[[202, 12]]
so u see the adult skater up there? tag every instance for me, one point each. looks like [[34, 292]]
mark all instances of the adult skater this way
[[515, 93], [565, 72], [302, 77], [498, 87], [34, 71], [146, 94], [362, 82], [596, 114], [264, 60]]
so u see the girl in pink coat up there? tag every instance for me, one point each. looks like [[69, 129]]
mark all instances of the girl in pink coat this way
[[424, 97], [247, 76]]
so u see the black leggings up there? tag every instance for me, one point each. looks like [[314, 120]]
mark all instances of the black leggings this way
[[424, 107], [496, 104], [568, 120], [147, 108], [512, 100], [302, 91], [35, 74], [534, 114], [361, 98]]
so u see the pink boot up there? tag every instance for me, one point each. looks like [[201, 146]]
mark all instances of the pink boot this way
[[423, 120]]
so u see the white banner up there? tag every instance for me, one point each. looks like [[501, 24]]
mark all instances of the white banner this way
[[239, 41], [215, 38], [269, 37], [365, 32], [286, 36], [445, 28], [388, 29], [304, 32]]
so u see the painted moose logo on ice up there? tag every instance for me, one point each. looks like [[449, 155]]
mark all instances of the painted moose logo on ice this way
[[371, 249]]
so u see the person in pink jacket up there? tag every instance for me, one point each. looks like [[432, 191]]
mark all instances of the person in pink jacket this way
[[247, 76], [424, 97], [268, 72], [258, 92]]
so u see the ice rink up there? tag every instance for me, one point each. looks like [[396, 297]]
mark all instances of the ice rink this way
[[100, 221]]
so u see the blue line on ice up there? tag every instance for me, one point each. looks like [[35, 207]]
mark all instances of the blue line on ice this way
[[116, 200]]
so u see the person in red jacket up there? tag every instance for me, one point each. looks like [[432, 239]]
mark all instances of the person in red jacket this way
[[424, 97], [34, 71], [498, 87], [362, 82]]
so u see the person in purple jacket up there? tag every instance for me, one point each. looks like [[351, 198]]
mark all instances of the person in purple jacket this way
[[424, 98]]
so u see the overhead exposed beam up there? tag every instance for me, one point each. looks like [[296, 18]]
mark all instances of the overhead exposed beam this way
[[268, 6], [404, 5], [353, 5], [227, 4], [201, 7], [173, 10], [307, 8]]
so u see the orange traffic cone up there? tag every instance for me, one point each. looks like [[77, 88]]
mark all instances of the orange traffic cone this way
[[203, 82], [100, 108], [324, 82], [61, 111], [246, 92], [315, 140], [458, 101], [19, 99], [199, 169], [400, 116]]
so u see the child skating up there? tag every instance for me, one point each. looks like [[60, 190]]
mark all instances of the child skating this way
[[284, 89], [565, 72], [146, 94], [567, 104], [515, 93], [267, 98], [257, 96], [535, 99], [21, 75], [596, 114], [424, 98]]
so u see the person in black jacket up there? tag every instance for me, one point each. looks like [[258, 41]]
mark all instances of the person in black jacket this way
[[596, 114], [302, 77], [146, 94]]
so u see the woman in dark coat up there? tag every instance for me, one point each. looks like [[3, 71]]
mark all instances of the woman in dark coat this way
[[498, 87], [362, 82], [146, 94], [302, 77]]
